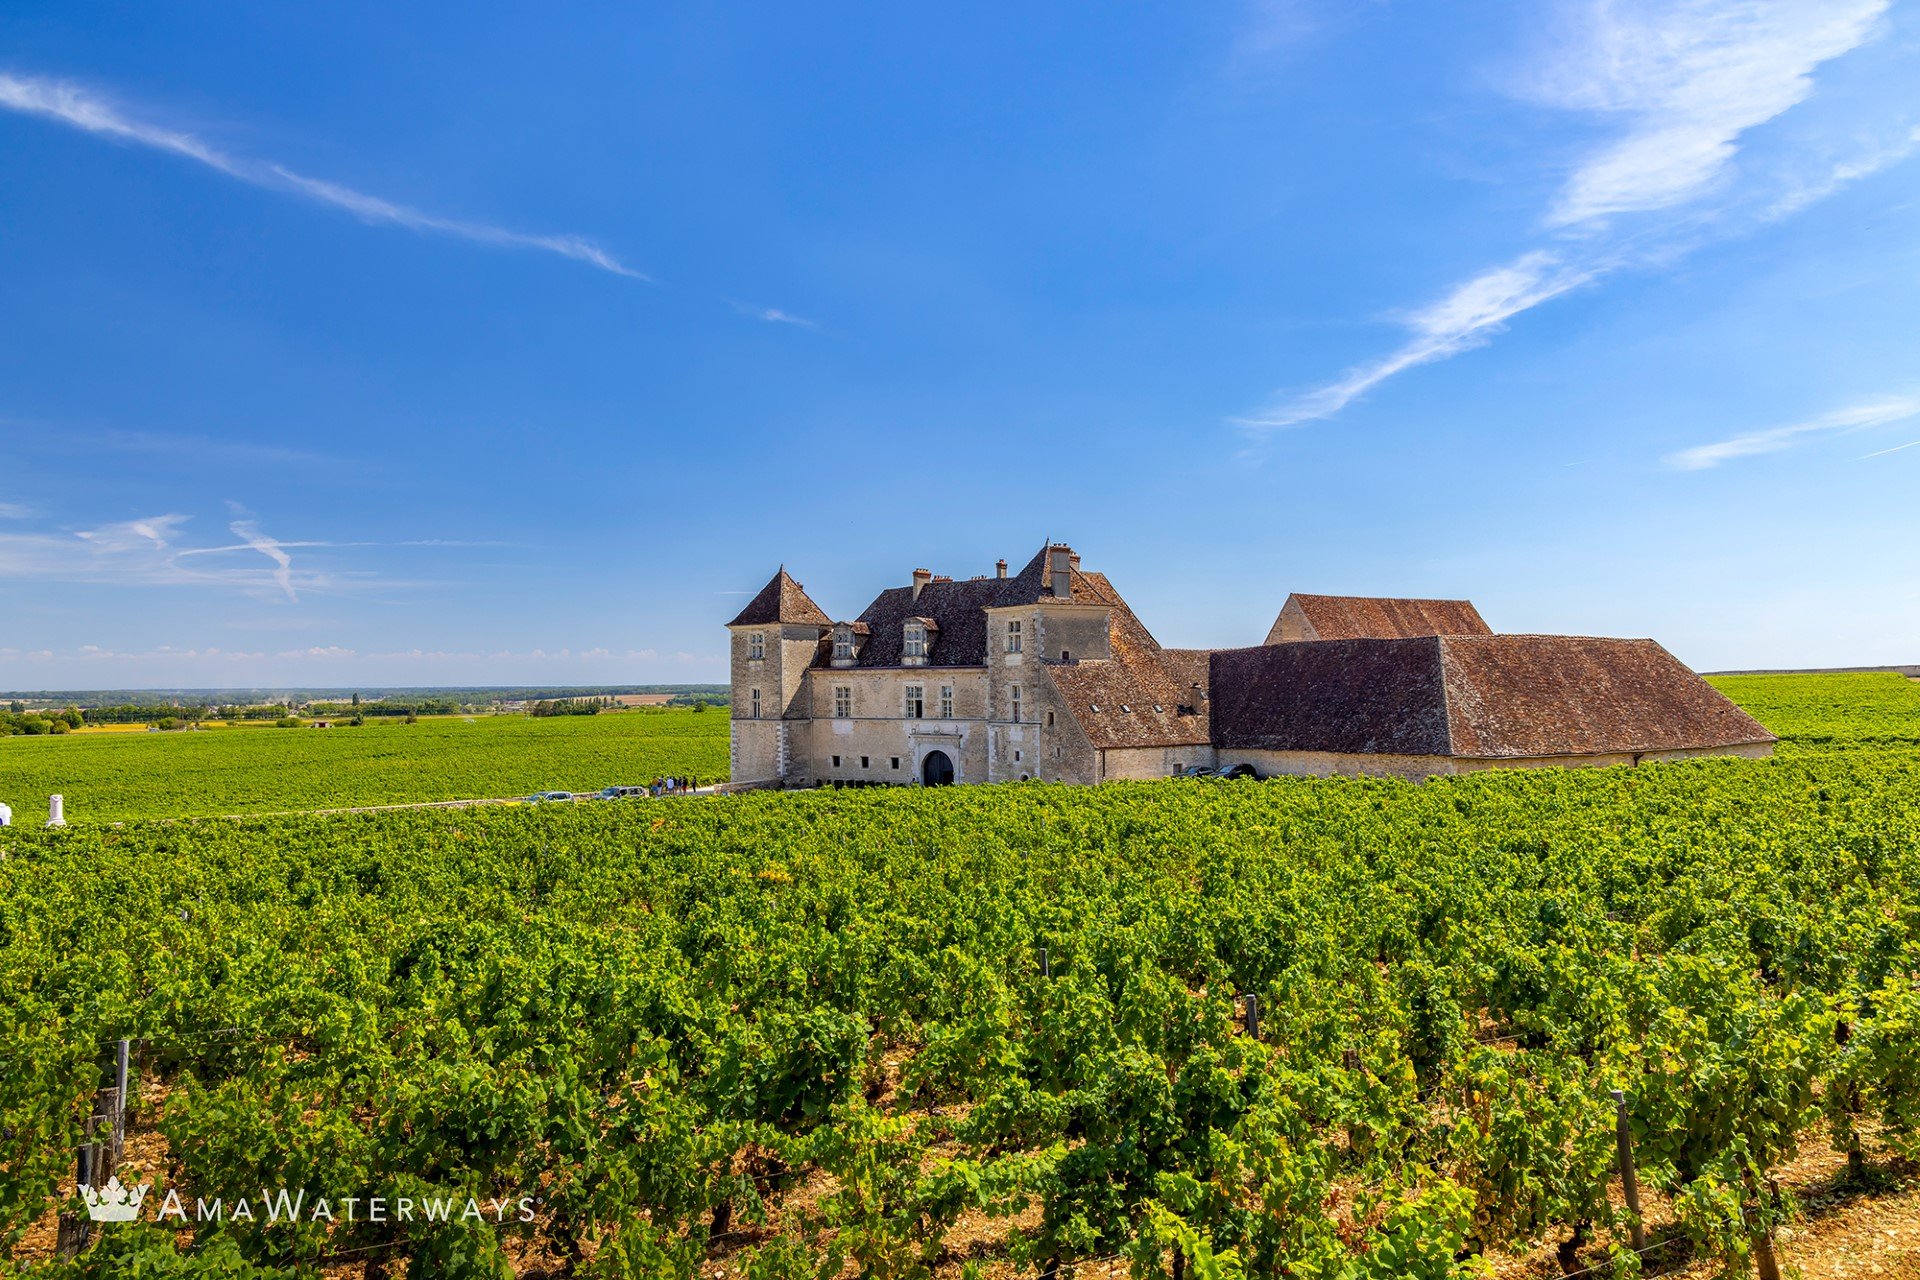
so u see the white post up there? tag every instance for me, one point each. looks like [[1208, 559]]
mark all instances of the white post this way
[[6, 816], [56, 811]]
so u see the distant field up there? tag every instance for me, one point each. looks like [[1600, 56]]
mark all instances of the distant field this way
[[1834, 711], [113, 776]]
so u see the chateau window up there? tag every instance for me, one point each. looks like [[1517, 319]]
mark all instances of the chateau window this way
[[757, 645], [755, 714], [1015, 692], [916, 640], [896, 761], [946, 702], [863, 762], [843, 644], [1016, 757], [836, 762], [842, 701], [1013, 636], [916, 701], [1049, 719]]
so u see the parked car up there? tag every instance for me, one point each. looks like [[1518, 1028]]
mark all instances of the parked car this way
[[619, 793], [545, 797], [1196, 771], [1241, 770]]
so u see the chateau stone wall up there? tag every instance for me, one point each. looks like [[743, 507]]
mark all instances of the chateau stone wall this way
[[1323, 764], [1153, 762], [879, 732]]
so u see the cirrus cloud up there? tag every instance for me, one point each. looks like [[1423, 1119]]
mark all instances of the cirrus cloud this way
[[1683, 82]]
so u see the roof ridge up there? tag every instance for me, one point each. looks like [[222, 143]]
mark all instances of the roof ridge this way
[[1446, 695]]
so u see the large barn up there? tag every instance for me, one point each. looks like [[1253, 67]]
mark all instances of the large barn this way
[[1046, 673]]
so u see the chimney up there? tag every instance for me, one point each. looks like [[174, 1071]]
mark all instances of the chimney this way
[[1060, 571], [1001, 568], [921, 577]]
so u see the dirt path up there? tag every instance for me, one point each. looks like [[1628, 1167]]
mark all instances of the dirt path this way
[[579, 798]]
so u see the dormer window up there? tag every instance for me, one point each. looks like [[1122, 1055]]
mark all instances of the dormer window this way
[[756, 645], [916, 642], [843, 643]]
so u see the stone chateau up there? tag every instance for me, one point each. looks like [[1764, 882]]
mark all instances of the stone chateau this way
[[1046, 673]]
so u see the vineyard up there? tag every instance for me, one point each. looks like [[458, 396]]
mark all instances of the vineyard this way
[[110, 777], [1344, 1028], [1824, 712]]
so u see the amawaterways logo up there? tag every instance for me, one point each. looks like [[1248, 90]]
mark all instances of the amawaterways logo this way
[[113, 1202], [116, 1203]]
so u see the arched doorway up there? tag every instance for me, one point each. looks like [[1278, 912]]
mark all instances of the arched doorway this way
[[937, 769]]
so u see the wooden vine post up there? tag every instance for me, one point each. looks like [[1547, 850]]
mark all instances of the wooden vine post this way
[[97, 1159], [1629, 1181]]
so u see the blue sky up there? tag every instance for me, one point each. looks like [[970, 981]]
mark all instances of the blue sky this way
[[496, 344]]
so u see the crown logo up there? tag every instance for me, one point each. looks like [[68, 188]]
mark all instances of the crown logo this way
[[113, 1202]]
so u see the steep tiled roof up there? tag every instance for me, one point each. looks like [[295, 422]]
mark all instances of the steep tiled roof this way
[[1345, 696], [1478, 697], [1542, 695], [1139, 677], [1034, 583], [1145, 695], [781, 600], [1377, 618], [957, 636]]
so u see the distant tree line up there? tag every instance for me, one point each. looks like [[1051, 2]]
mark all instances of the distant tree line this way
[[570, 706], [18, 721], [384, 707], [137, 713]]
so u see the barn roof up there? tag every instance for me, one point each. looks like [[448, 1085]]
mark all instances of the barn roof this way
[[1476, 697], [1385, 618], [781, 600]]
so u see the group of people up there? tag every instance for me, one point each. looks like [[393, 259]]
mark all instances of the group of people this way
[[669, 787]]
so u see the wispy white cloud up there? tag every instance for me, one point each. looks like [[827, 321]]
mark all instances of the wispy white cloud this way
[[14, 511], [1468, 317], [454, 542], [71, 104], [249, 532], [149, 533], [81, 108], [1687, 80], [1801, 191], [374, 209], [155, 551], [1875, 413], [772, 315], [1881, 453]]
